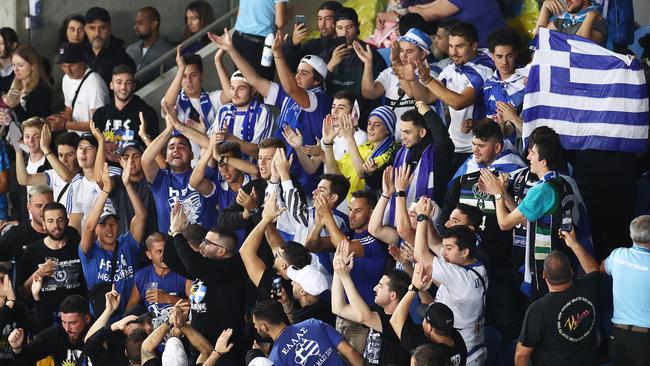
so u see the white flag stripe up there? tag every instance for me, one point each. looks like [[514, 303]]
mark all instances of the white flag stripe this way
[[592, 49], [570, 128], [587, 76], [553, 58], [584, 103]]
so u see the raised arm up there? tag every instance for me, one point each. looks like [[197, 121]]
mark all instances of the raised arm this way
[[148, 348], [324, 208], [376, 226], [287, 79], [370, 89], [421, 250], [22, 176], [112, 299], [347, 131], [402, 220], [281, 14], [139, 220], [224, 77], [149, 165], [197, 179], [225, 43], [175, 87], [100, 158], [88, 235], [329, 133], [294, 139], [52, 158], [142, 132], [588, 263], [435, 10]]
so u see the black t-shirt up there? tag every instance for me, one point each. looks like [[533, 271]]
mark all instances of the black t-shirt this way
[[53, 341], [321, 310], [124, 207], [67, 280], [413, 336], [383, 348], [266, 284], [561, 326], [125, 123], [153, 362]]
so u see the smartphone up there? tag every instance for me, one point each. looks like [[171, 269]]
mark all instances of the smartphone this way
[[300, 19], [276, 288], [194, 115], [567, 222], [341, 40]]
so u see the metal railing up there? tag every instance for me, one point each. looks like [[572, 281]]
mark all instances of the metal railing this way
[[159, 63]]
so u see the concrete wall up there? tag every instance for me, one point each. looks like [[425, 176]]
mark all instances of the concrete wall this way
[[642, 12]]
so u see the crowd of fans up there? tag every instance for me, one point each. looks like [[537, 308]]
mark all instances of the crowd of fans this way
[[368, 207]]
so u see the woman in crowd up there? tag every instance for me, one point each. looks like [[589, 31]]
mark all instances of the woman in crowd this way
[[30, 94], [198, 14], [72, 30]]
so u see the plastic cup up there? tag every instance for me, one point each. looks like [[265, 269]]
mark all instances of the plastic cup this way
[[152, 286]]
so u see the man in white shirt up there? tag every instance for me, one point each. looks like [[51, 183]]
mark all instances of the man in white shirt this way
[[83, 90]]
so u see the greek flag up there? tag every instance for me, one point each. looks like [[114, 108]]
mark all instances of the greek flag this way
[[592, 97]]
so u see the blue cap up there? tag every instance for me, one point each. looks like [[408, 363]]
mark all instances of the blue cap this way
[[387, 116], [418, 38]]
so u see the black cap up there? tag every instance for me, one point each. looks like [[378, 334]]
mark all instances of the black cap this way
[[438, 315], [90, 138], [97, 13], [70, 53], [131, 144], [139, 311], [346, 13]]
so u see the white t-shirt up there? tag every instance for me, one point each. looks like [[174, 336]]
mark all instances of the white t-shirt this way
[[57, 183], [462, 291], [83, 193], [392, 99], [92, 95], [457, 82], [32, 168]]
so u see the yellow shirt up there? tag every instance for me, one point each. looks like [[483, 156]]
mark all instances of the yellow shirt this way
[[346, 167]]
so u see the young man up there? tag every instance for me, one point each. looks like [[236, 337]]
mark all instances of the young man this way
[[172, 184], [382, 344], [217, 298], [120, 120], [580, 17], [461, 279], [546, 206], [103, 51], [301, 98], [170, 286], [245, 120], [459, 86], [64, 342], [84, 90], [308, 291], [106, 258], [150, 44], [317, 342], [296, 49], [52, 266], [64, 170]]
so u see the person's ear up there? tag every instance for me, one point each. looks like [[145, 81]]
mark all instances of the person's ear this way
[[498, 147], [148, 254], [422, 132]]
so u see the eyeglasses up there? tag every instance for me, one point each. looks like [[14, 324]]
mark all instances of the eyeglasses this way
[[208, 242]]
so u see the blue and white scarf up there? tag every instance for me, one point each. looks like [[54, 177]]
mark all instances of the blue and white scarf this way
[[250, 118], [185, 106], [507, 161], [569, 19]]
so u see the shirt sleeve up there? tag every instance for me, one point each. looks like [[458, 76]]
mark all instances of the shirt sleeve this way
[[531, 331], [263, 125], [454, 277], [275, 96], [98, 95], [313, 102], [334, 336], [538, 202], [383, 78]]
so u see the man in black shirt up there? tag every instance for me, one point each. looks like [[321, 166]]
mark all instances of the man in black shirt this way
[[216, 295], [437, 324], [103, 51], [63, 342], [51, 266], [382, 345], [308, 285]]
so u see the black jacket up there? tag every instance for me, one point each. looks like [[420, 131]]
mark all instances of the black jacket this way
[[108, 58]]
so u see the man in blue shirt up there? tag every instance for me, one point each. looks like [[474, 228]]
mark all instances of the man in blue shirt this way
[[311, 342], [172, 184], [301, 98], [104, 256]]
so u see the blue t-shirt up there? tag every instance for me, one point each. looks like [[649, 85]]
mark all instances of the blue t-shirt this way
[[311, 342], [309, 121], [172, 283], [96, 265], [539, 201], [367, 271], [257, 17], [630, 270], [484, 14], [169, 186]]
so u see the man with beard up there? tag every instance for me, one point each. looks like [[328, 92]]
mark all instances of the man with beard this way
[[83, 90], [245, 121], [581, 18], [64, 342], [105, 257], [150, 45], [170, 286], [120, 120], [52, 266], [103, 52]]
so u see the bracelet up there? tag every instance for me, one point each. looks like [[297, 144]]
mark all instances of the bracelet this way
[[428, 81], [328, 144], [272, 182], [48, 153], [386, 197], [274, 56], [107, 192], [217, 352]]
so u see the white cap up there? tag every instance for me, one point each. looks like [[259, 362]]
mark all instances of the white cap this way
[[174, 353], [260, 361], [237, 75], [317, 63], [313, 281]]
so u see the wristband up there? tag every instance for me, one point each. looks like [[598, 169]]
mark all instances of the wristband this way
[[386, 197], [422, 217], [400, 194], [428, 81], [328, 144], [48, 153], [107, 192]]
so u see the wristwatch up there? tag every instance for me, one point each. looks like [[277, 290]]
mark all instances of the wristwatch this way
[[400, 194], [498, 196], [413, 288], [422, 217]]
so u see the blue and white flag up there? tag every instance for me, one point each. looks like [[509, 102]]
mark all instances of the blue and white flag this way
[[506, 162], [592, 97]]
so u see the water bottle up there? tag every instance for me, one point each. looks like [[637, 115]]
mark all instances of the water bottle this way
[[267, 53]]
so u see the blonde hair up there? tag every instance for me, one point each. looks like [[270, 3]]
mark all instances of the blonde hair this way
[[36, 122], [29, 54]]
